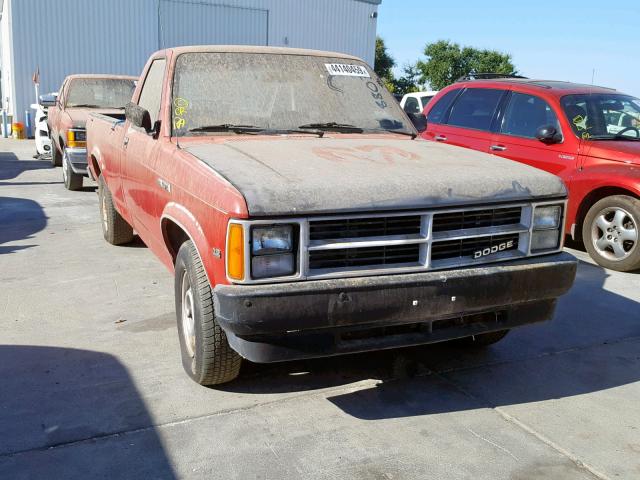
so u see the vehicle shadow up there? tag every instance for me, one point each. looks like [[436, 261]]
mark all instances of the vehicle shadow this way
[[11, 167], [590, 346], [20, 218], [70, 413]]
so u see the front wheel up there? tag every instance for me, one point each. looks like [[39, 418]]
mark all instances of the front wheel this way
[[610, 233], [72, 181], [206, 355]]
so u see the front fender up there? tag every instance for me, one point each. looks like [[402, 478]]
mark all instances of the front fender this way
[[183, 218]]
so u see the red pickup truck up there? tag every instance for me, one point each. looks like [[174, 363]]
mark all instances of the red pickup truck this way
[[80, 95], [301, 217], [589, 136]]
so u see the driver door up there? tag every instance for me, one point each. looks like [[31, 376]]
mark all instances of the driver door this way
[[516, 136], [140, 155]]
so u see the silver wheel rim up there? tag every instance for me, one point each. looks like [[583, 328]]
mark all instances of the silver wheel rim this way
[[103, 210], [614, 234], [65, 167], [188, 316]]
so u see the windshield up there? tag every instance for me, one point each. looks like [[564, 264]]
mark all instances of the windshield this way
[[280, 92], [601, 116], [99, 92]]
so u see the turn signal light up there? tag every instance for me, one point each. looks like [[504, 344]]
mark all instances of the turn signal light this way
[[235, 252], [76, 138]]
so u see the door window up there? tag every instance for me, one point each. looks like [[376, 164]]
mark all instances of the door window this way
[[425, 100], [412, 105], [151, 94], [525, 114], [438, 111], [475, 108]]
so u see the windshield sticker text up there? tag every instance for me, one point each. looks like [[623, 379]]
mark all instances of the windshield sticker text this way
[[347, 70], [180, 106]]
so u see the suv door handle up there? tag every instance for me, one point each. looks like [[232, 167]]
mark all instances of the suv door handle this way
[[498, 148], [440, 138]]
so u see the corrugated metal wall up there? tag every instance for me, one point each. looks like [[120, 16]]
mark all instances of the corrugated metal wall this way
[[62, 37]]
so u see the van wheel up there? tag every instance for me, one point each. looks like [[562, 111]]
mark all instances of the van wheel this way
[[610, 233], [206, 355], [484, 339], [72, 181], [115, 229], [56, 158]]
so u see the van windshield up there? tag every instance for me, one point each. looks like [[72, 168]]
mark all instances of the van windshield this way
[[99, 93], [607, 116], [279, 92]]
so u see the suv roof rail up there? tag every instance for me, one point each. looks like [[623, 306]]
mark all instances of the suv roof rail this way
[[487, 76]]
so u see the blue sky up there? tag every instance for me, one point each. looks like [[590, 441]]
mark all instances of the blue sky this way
[[560, 40]]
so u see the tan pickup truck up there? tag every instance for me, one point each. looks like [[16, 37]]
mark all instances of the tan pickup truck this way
[[80, 95]]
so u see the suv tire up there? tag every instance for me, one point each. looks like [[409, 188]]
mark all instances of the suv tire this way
[[611, 233], [206, 355], [115, 229]]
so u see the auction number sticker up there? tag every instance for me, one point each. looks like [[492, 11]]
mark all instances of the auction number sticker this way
[[347, 70]]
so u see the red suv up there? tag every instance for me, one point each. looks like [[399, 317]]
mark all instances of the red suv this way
[[589, 136]]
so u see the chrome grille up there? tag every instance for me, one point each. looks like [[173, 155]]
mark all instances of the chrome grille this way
[[493, 217], [465, 248], [364, 227], [362, 257]]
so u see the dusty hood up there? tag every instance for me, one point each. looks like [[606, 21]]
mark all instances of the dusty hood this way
[[296, 176], [79, 116]]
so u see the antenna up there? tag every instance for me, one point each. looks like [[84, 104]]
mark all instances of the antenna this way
[[593, 76]]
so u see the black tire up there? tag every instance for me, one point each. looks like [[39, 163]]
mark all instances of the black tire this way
[[208, 359], [484, 339], [56, 157], [115, 229], [607, 208], [72, 180]]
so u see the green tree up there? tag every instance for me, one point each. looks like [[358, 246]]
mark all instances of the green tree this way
[[447, 61], [384, 63], [409, 82]]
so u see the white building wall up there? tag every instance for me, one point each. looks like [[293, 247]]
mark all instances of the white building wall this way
[[62, 37]]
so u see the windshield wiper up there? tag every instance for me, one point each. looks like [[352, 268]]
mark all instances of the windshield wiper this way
[[333, 126], [399, 132], [230, 127], [84, 105]]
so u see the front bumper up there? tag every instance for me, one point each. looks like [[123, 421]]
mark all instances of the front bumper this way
[[77, 160], [269, 323]]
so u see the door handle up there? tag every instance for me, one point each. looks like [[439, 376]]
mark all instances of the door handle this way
[[440, 138], [126, 141], [498, 148]]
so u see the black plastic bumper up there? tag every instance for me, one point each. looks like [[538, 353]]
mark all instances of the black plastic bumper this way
[[276, 322]]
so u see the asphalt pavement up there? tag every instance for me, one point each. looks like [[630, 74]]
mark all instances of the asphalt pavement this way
[[92, 384]]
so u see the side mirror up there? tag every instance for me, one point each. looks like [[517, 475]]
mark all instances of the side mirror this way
[[48, 100], [549, 135], [419, 121], [138, 116]]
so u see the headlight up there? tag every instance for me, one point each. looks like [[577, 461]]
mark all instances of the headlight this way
[[76, 137], [546, 228], [272, 251], [271, 239], [547, 217]]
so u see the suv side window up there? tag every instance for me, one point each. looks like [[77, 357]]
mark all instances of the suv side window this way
[[151, 94], [439, 110], [412, 105], [525, 114], [475, 108]]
